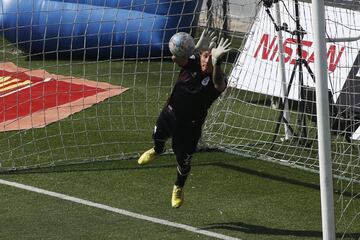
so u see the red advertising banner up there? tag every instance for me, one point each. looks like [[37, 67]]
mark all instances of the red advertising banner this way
[[36, 98]]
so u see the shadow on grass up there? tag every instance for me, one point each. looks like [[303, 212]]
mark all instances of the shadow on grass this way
[[97, 167], [83, 168], [132, 165], [263, 230], [267, 175], [282, 179]]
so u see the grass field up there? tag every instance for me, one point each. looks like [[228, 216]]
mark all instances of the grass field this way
[[238, 197], [228, 194]]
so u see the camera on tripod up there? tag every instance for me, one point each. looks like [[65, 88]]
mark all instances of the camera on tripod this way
[[301, 63], [269, 3]]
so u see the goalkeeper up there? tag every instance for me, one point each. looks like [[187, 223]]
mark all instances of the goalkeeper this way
[[200, 82]]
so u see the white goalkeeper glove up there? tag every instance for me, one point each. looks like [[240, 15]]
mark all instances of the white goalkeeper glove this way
[[207, 41], [220, 50]]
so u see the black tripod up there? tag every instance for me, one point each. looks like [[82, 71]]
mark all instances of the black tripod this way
[[299, 32]]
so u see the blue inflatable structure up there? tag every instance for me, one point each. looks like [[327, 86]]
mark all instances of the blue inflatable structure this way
[[100, 29]]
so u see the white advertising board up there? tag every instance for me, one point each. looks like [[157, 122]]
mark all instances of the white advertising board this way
[[258, 70]]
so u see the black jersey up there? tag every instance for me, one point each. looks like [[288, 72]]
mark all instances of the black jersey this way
[[193, 93]]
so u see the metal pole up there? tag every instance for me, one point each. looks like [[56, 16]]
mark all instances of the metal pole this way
[[209, 15], [299, 37], [225, 7], [322, 106], [284, 93]]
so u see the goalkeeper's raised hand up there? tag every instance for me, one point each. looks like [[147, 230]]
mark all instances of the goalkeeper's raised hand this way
[[218, 52], [207, 41]]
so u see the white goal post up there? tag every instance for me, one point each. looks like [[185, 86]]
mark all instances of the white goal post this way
[[323, 122]]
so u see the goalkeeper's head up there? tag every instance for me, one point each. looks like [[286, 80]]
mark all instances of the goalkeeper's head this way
[[205, 62]]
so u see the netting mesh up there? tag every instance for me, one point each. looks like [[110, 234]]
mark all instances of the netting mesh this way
[[89, 43], [84, 80], [87, 49], [258, 116]]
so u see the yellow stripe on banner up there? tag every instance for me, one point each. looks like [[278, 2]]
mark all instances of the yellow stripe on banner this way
[[3, 84], [4, 79], [17, 85]]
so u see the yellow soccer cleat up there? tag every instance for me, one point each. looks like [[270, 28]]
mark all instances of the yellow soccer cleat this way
[[177, 198], [147, 156]]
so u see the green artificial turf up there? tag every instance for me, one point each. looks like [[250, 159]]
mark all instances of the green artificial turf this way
[[228, 194], [238, 197]]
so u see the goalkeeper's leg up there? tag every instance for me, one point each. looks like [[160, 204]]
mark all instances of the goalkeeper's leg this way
[[183, 170], [184, 145], [162, 131], [159, 147]]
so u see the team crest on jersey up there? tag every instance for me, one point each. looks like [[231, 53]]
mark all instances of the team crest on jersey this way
[[205, 81]]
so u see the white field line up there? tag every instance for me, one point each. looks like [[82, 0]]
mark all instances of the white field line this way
[[117, 210]]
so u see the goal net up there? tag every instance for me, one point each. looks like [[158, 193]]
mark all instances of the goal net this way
[[269, 110], [84, 80]]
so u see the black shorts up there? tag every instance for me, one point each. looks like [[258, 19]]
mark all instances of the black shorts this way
[[185, 134]]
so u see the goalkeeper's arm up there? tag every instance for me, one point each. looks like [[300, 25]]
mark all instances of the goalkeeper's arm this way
[[219, 78]]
